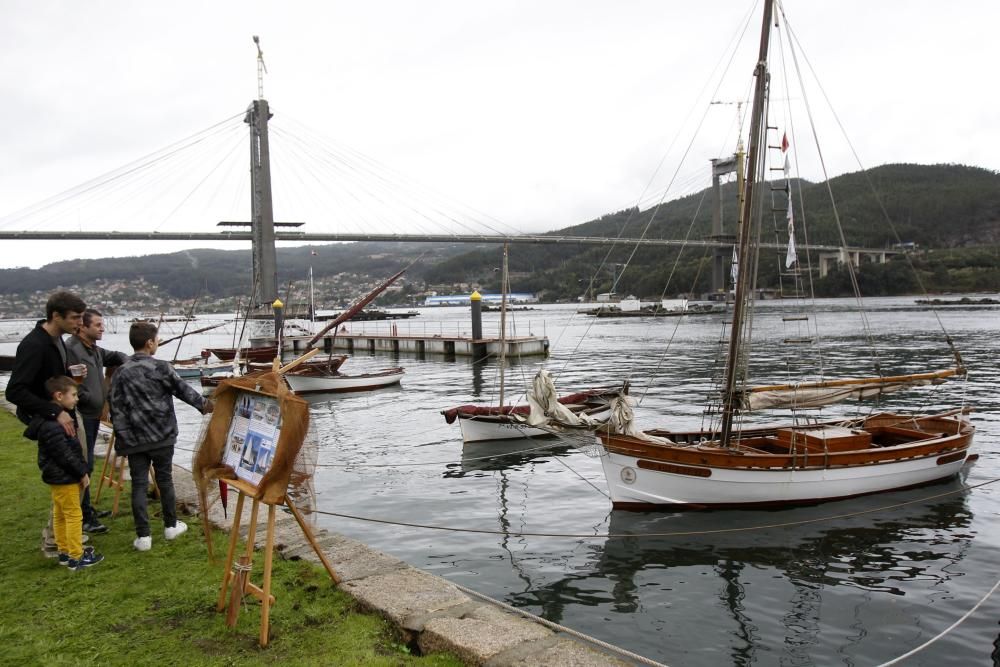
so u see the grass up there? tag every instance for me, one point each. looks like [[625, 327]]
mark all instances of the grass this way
[[158, 607]]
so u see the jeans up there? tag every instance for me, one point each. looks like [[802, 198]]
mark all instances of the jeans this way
[[90, 428], [162, 462]]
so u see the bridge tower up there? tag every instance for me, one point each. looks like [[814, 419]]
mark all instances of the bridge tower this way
[[265, 264], [722, 254]]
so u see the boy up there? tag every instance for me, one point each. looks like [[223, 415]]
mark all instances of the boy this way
[[142, 413], [64, 470]]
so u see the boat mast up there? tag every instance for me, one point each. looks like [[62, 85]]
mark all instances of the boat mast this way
[[730, 397], [503, 322]]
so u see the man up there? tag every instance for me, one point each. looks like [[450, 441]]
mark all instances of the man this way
[[82, 348], [40, 356], [142, 412]]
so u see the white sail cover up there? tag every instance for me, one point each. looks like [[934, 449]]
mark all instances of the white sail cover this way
[[545, 405], [622, 421], [796, 396]]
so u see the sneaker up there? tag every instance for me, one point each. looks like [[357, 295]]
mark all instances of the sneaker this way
[[50, 551], [143, 543], [102, 514], [94, 527], [64, 559], [179, 529], [86, 560], [84, 538]]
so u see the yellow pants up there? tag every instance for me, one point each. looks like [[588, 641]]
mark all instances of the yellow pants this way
[[67, 519]]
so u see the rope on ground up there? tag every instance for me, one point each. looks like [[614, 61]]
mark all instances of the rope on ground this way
[[678, 533], [945, 631], [561, 628]]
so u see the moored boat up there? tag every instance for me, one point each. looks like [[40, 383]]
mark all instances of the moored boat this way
[[324, 383], [248, 353]]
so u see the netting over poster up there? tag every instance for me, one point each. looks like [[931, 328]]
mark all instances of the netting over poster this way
[[259, 433]]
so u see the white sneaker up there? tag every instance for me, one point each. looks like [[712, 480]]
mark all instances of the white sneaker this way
[[143, 543], [179, 529]]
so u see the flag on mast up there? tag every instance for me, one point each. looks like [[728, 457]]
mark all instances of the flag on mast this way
[[784, 142]]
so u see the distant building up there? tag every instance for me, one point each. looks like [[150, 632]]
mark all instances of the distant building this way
[[463, 299]]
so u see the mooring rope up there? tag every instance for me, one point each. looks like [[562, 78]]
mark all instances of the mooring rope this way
[[944, 632], [677, 533]]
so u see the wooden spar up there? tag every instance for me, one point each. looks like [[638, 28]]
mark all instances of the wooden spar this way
[[503, 322], [731, 400], [293, 364], [191, 333], [915, 377], [353, 310]]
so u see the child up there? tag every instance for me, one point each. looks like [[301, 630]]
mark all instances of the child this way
[[64, 470], [142, 412]]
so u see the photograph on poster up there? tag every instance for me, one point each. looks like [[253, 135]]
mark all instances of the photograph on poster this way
[[253, 436]]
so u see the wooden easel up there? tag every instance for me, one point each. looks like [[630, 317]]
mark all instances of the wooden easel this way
[[238, 574], [113, 476]]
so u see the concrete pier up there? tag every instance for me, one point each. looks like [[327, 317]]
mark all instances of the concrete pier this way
[[419, 345]]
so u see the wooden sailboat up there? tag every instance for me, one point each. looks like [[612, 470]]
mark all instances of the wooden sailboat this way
[[736, 464], [545, 414]]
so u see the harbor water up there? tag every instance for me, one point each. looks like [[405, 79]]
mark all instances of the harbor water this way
[[528, 522]]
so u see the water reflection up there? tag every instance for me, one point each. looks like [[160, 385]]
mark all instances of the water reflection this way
[[775, 586]]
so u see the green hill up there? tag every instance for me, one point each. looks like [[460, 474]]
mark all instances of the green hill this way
[[950, 212]]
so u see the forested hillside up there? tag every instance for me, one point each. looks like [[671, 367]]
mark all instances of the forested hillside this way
[[950, 213]]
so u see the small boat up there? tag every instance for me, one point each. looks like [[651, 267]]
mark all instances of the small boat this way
[[325, 383], [248, 353], [190, 370], [326, 365], [538, 418], [6, 362]]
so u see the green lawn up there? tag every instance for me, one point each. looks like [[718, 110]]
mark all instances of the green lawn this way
[[158, 607]]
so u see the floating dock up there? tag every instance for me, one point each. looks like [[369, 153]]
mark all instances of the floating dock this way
[[419, 345]]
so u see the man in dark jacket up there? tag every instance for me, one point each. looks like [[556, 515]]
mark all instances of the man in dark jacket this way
[[61, 461], [142, 413], [82, 348], [40, 356]]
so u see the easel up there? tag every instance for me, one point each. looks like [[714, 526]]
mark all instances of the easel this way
[[113, 476], [239, 574]]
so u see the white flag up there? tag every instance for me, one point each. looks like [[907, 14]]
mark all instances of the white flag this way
[[790, 256], [788, 166]]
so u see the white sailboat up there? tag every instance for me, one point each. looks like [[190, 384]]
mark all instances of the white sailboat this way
[[545, 413], [736, 462]]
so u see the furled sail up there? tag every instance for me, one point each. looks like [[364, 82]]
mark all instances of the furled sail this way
[[818, 394]]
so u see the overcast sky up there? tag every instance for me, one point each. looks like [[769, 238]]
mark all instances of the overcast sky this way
[[541, 114]]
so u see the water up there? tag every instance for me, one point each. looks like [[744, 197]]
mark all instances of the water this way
[[854, 582]]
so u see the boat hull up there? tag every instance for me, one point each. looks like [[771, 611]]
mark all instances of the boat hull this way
[[311, 384], [477, 428], [648, 476]]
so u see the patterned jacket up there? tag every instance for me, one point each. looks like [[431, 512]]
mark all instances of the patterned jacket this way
[[142, 404]]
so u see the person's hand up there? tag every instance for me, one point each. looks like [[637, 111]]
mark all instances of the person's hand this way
[[67, 423], [85, 482], [208, 407]]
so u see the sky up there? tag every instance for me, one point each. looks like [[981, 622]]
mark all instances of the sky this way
[[534, 115]]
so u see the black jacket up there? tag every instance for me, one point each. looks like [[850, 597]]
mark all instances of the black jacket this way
[[59, 456], [39, 357]]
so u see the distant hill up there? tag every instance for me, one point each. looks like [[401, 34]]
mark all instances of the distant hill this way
[[937, 207]]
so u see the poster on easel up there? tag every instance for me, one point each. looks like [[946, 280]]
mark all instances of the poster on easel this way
[[253, 435]]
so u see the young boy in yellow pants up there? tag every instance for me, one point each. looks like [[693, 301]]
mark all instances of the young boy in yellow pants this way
[[64, 470]]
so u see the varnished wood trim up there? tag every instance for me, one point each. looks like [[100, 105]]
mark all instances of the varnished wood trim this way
[[675, 469], [951, 458]]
